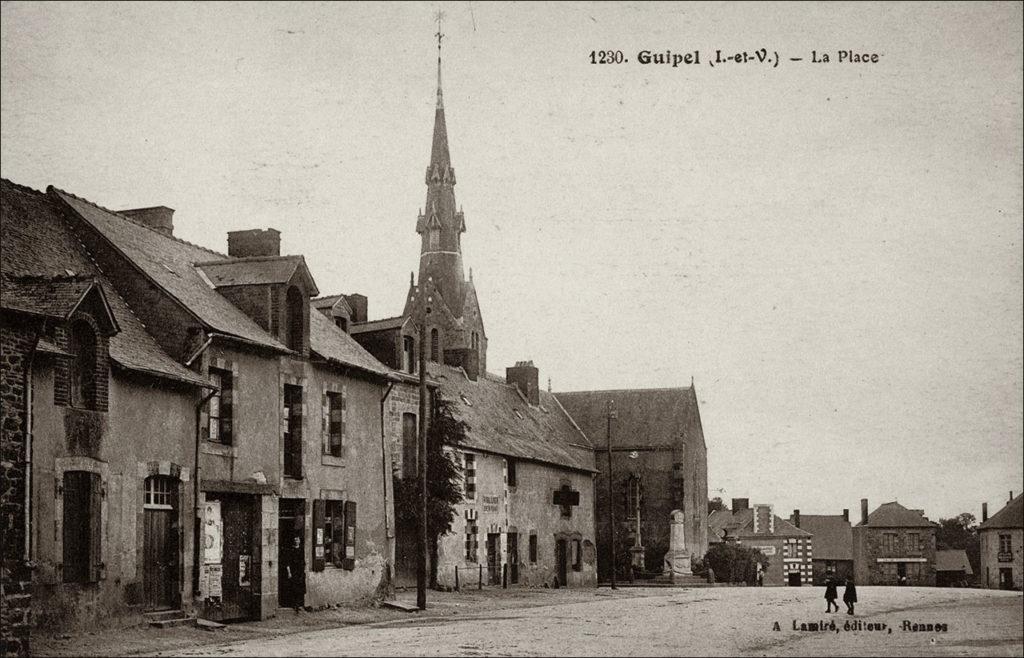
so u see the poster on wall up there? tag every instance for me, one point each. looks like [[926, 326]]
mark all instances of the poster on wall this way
[[215, 574], [243, 570], [213, 534]]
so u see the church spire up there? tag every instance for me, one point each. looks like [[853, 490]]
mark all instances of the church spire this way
[[439, 35]]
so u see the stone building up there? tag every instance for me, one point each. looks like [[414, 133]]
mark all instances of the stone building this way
[[789, 549], [1002, 546], [659, 464], [833, 544], [893, 543], [952, 568], [109, 421]]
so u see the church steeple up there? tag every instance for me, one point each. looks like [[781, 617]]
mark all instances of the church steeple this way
[[441, 224]]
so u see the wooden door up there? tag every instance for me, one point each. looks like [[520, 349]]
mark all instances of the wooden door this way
[[493, 559], [240, 575], [291, 567], [160, 581], [562, 561], [513, 557]]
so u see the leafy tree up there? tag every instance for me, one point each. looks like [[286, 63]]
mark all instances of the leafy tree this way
[[735, 563], [716, 504], [445, 435], [961, 531]]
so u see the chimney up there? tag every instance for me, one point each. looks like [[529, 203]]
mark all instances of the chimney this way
[[254, 242], [984, 512], [740, 504], [358, 304], [863, 511], [796, 518], [846, 515], [1011, 496], [158, 218], [524, 376]]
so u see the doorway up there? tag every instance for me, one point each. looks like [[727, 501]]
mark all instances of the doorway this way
[[562, 562], [291, 567], [513, 557], [793, 578], [493, 558], [160, 543], [1005, 578]]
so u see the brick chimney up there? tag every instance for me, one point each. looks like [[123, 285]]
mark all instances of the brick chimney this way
[[846, 515], [740, 504], [358, 304], [863, 511], [796, 518], [525, 376], [984, 512], [254, 242], [158, 218]]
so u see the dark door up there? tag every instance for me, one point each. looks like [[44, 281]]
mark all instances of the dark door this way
[[493, 559], [291, 567], [794, 579], [901, 572], [161, 566], [562, 561], [239, 569], [513, 557], [1005, 578]]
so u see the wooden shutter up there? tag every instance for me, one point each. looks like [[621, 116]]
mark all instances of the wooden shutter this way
[[95, 527], [318, 535], [349, 562], [226, 408]]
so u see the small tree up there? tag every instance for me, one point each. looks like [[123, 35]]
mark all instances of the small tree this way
[[735, 563], [444, 481], [960, 531], [716, 504]]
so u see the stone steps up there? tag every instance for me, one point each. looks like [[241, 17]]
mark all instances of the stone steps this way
[[168, 619]]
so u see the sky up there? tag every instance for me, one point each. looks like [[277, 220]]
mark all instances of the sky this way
[[831, 251]]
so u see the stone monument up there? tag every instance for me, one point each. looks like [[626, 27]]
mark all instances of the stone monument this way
[[677, 560]]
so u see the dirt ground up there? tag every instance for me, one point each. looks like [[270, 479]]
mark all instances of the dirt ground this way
[[635, 621]]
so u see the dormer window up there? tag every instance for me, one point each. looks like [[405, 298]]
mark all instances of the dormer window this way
[[342, 324], [294, 305], [83, 365]]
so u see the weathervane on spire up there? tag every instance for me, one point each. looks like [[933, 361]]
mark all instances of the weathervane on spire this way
[[439, 16]]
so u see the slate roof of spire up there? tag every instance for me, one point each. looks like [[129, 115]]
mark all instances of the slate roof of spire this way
[[38, 242]]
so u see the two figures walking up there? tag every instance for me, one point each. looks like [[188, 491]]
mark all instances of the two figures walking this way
[[832, 593]]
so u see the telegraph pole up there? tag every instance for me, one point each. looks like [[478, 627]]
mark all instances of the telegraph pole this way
[[611, 496], [421, 458]]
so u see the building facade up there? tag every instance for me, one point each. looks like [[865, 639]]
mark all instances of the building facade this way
[[833, 544], [1002, 546], [894, 545], [790, 550], [658, 465]]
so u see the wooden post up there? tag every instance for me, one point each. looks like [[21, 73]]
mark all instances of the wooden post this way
[[421, 539], [480, 578], [504, 576], [456, 578]]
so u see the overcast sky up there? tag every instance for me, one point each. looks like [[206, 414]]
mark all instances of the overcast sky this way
[[832, 251]]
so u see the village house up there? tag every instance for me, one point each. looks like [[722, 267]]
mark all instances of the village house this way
[[1002, 545], [894, 543], [789, 549], [833, 544], [658, 466], [952, 568]]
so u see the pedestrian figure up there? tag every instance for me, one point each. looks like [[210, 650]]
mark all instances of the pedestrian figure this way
[[849, 596], [760, 575], [831, 594]]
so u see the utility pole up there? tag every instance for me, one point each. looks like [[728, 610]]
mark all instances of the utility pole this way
[[611, 496], [421, 468]]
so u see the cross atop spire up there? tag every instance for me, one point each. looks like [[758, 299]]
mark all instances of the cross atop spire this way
[[439, 16]]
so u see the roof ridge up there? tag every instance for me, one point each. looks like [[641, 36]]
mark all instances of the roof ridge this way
[[246, 259], [623, 390], [24, 188], [129, 219], [393, 317], [39, 278]]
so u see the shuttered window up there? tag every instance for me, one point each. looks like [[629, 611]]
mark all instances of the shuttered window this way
[[334, 534], [83, 499], [335, 420]]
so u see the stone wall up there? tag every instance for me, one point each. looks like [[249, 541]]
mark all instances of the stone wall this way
[[870, 555], [990, 562]]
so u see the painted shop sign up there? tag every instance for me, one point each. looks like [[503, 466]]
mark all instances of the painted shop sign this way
[[491, 503], [767, 550]]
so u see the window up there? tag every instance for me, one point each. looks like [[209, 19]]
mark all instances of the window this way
[[342, 324], [335, 423], [889, 542], [533, 548], [469, 476], [161, 491], [334, 540], [409, 446], [293, 433], [434, 238], [1005, 544], [576, 555], [633, 497], [510, 470], [471, 541], [830, 566], [218, 426], [82, 526], [83, 365], [913, 542], [435, 346], [408, 354], [294, 306], [913, 570]]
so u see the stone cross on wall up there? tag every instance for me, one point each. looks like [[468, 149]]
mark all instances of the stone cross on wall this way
[[566, 498]]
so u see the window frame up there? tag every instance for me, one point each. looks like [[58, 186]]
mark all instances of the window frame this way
[[83, 344], [469, 488], [533, 548], [224, 414], [335, 444], [511, 474], [292, 447]]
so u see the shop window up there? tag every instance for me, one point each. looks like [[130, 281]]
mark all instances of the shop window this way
[[334, 540], [82, 498], [219, 421]]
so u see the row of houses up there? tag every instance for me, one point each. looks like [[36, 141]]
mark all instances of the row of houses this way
[[188, 432], [892, 545]]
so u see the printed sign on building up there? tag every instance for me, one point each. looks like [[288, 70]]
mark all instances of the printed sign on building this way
[[213, 534]]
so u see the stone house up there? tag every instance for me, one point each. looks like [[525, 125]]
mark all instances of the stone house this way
[[952, 568], [1002, 546], [893, 543], [833, 544], [109, 482], [789, 549], [658, 465]]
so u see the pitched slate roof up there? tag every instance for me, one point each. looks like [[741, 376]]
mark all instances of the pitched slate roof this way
[[335, 345], [256, 270], [378, 325], [741, 524], [169, 262], [1011, 516], [501, 421], [55, 297], [833, 536], [945, 560], [37, 242], [652, 417], [894, 515]]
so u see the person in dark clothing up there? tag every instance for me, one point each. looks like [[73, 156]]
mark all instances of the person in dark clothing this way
[[831, 594], [850, 596]]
